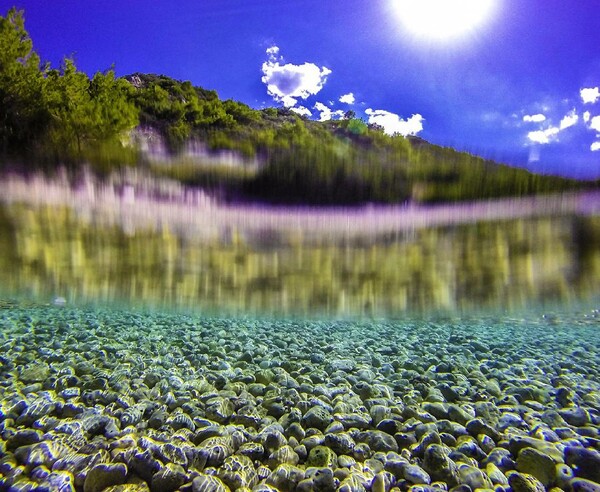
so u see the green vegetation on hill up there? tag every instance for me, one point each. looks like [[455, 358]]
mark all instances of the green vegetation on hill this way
[[57, 117]]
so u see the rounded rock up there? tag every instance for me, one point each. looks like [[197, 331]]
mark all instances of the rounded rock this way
[[104, 475]]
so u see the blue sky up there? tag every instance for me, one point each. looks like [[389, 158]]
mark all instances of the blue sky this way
[[519, 85]]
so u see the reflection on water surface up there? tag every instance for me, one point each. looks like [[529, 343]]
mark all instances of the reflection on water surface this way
[[50, 250]]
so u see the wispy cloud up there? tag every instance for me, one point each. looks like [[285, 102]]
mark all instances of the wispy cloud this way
[[287, 83], [325, 113], [586, 116], [534, 118], [590, 95], [392, 123], [348, 98]]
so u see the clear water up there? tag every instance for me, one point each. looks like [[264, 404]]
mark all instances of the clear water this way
[[232, 321]]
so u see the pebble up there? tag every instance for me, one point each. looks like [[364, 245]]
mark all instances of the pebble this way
[[156, 402]]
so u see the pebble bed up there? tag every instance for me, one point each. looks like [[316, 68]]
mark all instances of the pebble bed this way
[[114, 400]]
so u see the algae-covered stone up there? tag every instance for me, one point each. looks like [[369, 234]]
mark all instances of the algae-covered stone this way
[[285, 477], [62, 481], [538, 464], [439, 466], [317, 417], [563, 475], [321, 456], [208, 483], [104, 475], [23, 437], [515, 445], [284, 454], [575, 416], [340, 443], [523, 482], [170, 478], [34, 372], [382, 482], [378, 441], [474, 477], [495, 474], [414, 474], [237, 472]]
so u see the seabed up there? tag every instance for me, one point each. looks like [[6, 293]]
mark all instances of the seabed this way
[[100, 399]]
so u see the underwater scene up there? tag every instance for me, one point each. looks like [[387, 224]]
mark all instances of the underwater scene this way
[[156, 340]]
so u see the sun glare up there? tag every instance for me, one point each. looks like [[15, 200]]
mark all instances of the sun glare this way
[[442, 19]]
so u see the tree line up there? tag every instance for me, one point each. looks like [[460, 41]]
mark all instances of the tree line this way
[[51, 117]]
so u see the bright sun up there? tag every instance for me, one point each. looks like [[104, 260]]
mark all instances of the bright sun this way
[[442, 19]]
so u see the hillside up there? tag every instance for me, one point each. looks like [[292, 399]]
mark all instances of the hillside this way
[[61, 117], [306, 161]]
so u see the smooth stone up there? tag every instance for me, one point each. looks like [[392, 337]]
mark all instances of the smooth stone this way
[[575, 416], [584, 462], [439, 466], [515, 445], [378, 441], [61, 481], [168, 479], [353, 420], [285, 477], [438, 409], [414, 474], [208, 483], [523, 482], [474, 477], [382, 482], [23, 437], [478, 426], [389, 426], [495, 474], [564, 474], [104, 475], [584, 485], [538, 464], [405, 440], [284, 455]]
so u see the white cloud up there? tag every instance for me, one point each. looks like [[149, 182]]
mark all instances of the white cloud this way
[[590, 95], [273, 51], [301, 110], [586, 116], [570, 119], [326, 113], [543, 136], [595, 146], [288, 83], [534, 118], [595, 123], [347, 98], [392, 123]]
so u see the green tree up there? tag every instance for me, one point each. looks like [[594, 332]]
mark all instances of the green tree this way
[[86, 113], [22, 112]]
